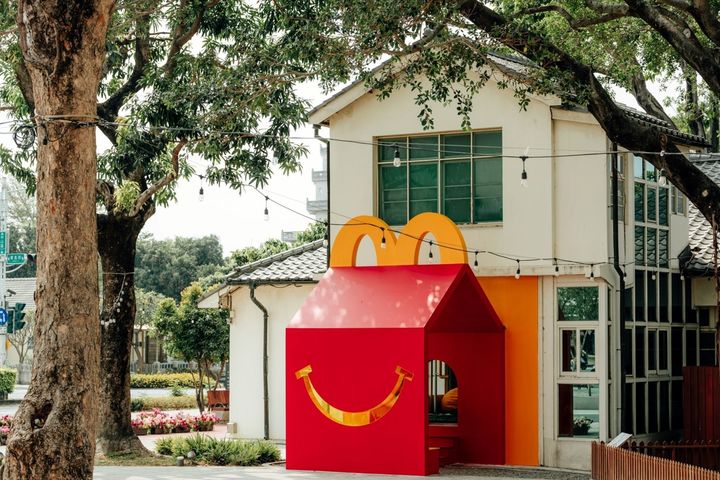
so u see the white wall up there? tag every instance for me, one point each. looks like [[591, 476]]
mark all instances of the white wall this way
[[246, 357], [563, 210]]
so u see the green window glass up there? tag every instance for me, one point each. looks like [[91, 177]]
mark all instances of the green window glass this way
[[388, 146], [455, 146], [663, 206], [487, 143], [639, 202], [639, 246], [423, 148], [423, 188], [651, 246], [663, 248], [456, 190], [488, 189], [578, 303], [651, 204], [393, 195]]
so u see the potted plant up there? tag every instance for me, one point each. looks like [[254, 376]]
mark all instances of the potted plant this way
[[581, 425], [139, 426]]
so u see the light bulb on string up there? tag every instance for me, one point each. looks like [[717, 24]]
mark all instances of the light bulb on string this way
[[396, 157], [662, 179], [524, 175], [517, 272], [592, 272], [383, 242], [201, 195], [476, 267], [430, 254], [266, 213], [557, 268]]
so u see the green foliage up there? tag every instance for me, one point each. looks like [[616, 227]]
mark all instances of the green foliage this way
[[22, 213], [168, 266], [126, 196], [161, 380], [176, 390], [163, 403], [214, 451], [8, 376], [315, 231]]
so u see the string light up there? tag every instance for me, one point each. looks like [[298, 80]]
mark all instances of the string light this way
[[201, 196], [524, 175], [383, 243], [592, 272], [662, 179], [517, 272], [557, 268], [396, 156], [430, 254], [266, 213], [475, 264]]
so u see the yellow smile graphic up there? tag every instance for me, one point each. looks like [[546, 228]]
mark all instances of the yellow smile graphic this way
[[354, 419]]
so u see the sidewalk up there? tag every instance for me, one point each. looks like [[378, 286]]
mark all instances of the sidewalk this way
[[279, 472]]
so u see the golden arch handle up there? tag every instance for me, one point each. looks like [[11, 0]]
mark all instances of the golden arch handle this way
[[354, 419], [402, 249]]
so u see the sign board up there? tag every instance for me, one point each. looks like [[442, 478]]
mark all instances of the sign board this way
[[3, 317], [15, 259], [620, 440], [3, 243]]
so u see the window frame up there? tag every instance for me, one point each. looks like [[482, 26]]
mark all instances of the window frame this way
[[471, 158]]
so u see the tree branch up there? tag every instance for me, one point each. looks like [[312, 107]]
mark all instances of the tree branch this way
[[618, 125], [166, 180], [646, 99], [607, 13], [105, 190], [180, 37]]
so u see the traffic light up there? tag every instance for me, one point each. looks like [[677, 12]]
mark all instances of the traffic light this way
[[18, 315], [10, 327]]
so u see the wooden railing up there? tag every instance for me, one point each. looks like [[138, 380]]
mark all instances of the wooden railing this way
[[610, 463], [698, 453]]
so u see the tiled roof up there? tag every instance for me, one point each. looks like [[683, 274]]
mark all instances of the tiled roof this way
[[24, 289], [300, 264], [698, 256]]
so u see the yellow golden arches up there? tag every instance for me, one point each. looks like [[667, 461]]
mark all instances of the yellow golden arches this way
[[354, 419], [402, 249]]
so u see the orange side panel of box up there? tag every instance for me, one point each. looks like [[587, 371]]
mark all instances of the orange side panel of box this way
[[516, 303]]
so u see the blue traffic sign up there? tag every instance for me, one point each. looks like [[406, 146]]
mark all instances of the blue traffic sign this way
[[3, 317]]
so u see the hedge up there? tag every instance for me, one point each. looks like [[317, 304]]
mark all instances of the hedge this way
[[161, 380], [163, 403], [7, 381], [214, 451]]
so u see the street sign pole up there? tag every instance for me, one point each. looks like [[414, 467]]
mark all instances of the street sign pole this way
[[3, 265]]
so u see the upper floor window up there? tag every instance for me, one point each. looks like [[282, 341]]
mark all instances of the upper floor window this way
[[458, 174], [677, 202]]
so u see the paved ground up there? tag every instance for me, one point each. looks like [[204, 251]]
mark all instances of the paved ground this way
[[279, 473]]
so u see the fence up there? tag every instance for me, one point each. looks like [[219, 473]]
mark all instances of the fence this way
[[698, 453], [610, 463]]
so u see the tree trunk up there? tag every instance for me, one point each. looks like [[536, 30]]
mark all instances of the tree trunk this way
[[53, 431], [117, 239]]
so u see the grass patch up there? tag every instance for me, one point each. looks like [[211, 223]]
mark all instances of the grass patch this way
[[134, 460]]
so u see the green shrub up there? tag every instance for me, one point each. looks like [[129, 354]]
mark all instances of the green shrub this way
[[136, 404], [161, 380], [163, 403], [176, 391], [269, 452], [215, 451], [7, 380], [164, 446], [222, 452]]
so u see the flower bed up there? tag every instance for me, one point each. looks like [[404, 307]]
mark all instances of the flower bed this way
[[5, 424], [159, 422]]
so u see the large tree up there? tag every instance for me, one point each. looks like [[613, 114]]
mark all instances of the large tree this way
[[61, 47], [576, 51], [179, 78]]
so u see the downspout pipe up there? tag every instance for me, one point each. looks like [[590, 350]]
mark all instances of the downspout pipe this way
[[621, 275], [327, 182], [266, 401]]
